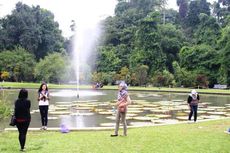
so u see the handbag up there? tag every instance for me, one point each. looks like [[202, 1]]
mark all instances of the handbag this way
[[12, 120]]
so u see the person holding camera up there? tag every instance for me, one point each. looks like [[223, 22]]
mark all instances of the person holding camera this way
[[43, 99]]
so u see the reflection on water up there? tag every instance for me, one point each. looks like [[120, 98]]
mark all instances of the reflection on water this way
[[95, 107], [73, 93]]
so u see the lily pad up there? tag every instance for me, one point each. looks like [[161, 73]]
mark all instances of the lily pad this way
[[114, 117], [59, 113], [216, 113], [207, 109], [162, 116], [131, 114], [106, 113], [212, 117], [135, 106], [160, 111], [142, 118], [82, 114], [134, 111], [184, 118], [83, 108]]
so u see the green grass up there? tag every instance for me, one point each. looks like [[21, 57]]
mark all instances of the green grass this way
[[206, 137], [59, 86]]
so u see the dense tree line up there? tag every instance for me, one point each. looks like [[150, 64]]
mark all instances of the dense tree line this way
[[162, 47], [144, 43], [29, 37]]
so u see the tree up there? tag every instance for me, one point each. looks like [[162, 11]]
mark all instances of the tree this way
[[192, 19], [124, 74], [171, 43], [52, 68], [108, 60], [19, 63], [183, 77], [164, 78], [224, 45], [183, 9], [208, 30], [201, 59], [225, 3], [204, 7], [32, 28], [104, 78], [5, 75], [141, 74], [147, 44]]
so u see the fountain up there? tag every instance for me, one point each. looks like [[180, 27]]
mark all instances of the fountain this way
[[86, 30]]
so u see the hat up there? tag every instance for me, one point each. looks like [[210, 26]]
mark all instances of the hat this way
[[193, 92], [123, 85]]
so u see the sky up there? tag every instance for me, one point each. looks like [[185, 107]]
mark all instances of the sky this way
[[67, 10]]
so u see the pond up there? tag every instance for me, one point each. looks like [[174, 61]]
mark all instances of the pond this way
[[95, 108]]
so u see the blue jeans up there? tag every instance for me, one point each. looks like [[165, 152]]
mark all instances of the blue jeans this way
[[193, 109]]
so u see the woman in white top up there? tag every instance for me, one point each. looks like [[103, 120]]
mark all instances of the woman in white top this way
[[43, 99]]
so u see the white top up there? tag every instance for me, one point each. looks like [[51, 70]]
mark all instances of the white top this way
[[44, 102]]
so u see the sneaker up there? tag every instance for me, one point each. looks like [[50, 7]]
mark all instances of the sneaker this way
[[114, 135], [42, 128], [22, 150], [45, 128]]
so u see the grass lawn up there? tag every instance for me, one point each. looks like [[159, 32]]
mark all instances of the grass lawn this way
[[59, 86], [205, 137]]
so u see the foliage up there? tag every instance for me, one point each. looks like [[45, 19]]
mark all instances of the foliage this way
[[183, 77], [141, 74], [5, 75], [32, 28], [202, 81], [19, 63], [124, 74], [201, 59], [4, 106], [183, 9], [224, 45], [108, 60], [208, 30], [163, 79], [51, 68], [104, 78], [141, 33], [171, 43]]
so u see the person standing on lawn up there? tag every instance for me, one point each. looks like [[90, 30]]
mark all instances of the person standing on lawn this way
[[123, 100]]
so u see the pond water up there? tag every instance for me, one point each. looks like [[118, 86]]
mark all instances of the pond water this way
[[94, 108]]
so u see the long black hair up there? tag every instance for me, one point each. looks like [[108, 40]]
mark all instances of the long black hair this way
[[23, 94], [40, 89]]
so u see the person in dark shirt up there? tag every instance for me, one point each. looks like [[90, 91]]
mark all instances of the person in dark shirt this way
[[193, 100], [22, 115]]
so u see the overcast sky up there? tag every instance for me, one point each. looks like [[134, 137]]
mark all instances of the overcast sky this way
[[67, 10]]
